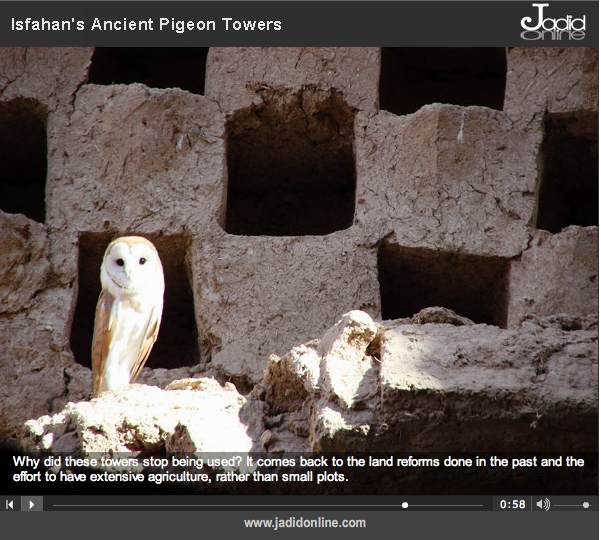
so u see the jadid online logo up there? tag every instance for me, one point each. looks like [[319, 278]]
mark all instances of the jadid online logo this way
[[540, 27]]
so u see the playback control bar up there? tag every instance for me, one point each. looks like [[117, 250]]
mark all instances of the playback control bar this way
[[401, 503]]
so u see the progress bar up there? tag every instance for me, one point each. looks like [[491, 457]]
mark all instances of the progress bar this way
[[270, 502], [405, 504], [227, 505]]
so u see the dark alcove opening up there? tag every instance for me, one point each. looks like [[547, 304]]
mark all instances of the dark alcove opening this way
[[416, 76], [177, 344], [569, 189], [23, 158], [291, 168], [413, 278], [172, 67]]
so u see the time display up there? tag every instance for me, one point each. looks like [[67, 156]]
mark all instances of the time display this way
[[513, 503]]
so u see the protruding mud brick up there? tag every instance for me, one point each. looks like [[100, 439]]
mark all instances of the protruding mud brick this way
[[274, 290], [24, 267], [140, 159], [557, 274], [526, 388], [557, 80], [234, 75], [447, 178], [50, 75], [177, 344]]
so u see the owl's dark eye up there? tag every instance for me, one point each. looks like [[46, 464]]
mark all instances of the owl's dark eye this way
[[120, 262], [142, 260]]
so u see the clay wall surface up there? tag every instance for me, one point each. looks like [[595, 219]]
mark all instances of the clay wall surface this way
[[284, 187]]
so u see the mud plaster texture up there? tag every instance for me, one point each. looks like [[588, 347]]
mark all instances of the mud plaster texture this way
[[443, 208], [436, 382]]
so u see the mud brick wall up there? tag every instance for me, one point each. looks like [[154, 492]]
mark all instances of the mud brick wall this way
[[284, 187]]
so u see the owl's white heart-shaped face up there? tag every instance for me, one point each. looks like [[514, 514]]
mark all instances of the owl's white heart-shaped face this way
[[131, 266]]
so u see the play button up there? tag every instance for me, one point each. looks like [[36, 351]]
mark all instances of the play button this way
[[32, 504]]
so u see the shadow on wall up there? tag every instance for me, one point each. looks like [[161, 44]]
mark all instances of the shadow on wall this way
[[23, 158], [291, 166], [569, 185], [413, 77], [177, 344], [415, 278], [179, 67]]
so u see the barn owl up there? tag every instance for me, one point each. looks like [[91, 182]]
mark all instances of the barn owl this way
[[128, 313]]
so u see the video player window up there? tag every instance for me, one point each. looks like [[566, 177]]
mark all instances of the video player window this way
[[300, 279]]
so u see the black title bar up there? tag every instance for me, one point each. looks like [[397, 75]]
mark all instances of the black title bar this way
[[334, 23]]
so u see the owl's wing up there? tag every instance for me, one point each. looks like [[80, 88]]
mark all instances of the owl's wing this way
[[103, 334], [148, 338]]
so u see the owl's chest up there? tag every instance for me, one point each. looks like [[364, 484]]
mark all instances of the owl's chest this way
[[131, 319]]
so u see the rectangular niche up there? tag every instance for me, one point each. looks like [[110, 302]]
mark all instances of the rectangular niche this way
[[414, 278], [568, 193], [172, 67], [417, 76], [23, 158], [177, 344], [291, 166]]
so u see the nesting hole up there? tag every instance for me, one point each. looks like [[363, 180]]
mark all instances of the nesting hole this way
[[23, 158], [291, 167], [155, 67], [413, 77], [177, 344], [569, 188], [412, 279]]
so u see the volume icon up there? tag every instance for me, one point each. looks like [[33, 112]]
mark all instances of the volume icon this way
[[544, 504]]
